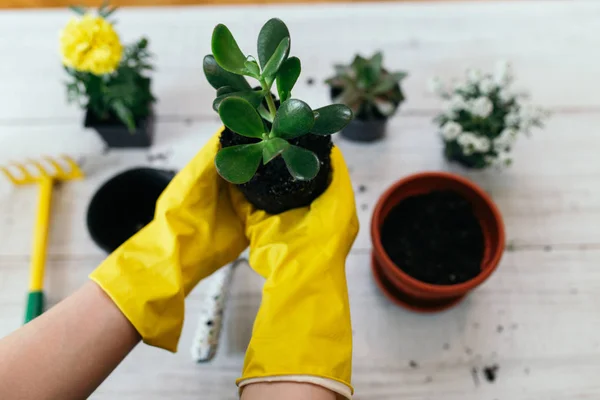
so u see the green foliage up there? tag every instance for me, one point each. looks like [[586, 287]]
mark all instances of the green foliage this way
[[254, 112], [367, 88], [125, 94]]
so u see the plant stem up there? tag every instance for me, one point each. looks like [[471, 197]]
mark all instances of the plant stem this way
[[269, 98]]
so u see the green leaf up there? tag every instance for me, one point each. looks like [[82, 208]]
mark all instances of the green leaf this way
[[376, 62], [270, 70], [251, 96], [224, 90], [384, 85], [301, 163], [218, 77], [227, 52], [287, 76], [124, 114], [238, 164], [294, 118], [331, 119], [398, 76], [264, 113], [270, 36], [78, 10], [241, 117], [273, 147], [253, 69], [107, 12]]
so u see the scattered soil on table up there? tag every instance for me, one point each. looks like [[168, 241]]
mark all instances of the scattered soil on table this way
[[499, 329], [435, 238], [491, 372], [475, 375], [364, 207], [413, 364], [446, 346], [310, 81], [272, 188], [362, 189], [547, 248]]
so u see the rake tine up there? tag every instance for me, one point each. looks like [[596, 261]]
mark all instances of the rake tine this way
[[10, 176], [26, 175], [57, 167], [40, 168], [75, 171]]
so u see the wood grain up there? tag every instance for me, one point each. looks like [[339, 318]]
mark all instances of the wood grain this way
[[536, 317]]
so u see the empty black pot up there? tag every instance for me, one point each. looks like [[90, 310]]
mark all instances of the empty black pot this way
[[124, 205]]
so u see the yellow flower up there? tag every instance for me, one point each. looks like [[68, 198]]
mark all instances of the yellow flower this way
[[90, 44]]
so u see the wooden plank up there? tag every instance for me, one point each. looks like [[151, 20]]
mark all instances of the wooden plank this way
[[423, 39]]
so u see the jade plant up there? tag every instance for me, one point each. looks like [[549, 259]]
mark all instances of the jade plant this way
[[253, 112], [367, 88]]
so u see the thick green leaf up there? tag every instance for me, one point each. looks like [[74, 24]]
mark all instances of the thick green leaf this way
[[264, 113], [253, 97], [241, 117], [218, 77], [331, 119], [301, 163], [376, 62], [270, 36], [253, 68], [238, 164], [273, 147], [270, 70], [226, 51], [294, 118], [287, 76], [224, 90], [124, 114]]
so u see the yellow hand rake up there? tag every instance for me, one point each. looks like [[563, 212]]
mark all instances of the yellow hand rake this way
[[43, 173]]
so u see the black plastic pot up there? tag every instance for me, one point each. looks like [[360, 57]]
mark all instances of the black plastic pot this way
[[116, 135], [125, 204], [365, 130]]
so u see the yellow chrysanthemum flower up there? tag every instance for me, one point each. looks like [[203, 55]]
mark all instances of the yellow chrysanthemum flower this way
[[90, 44]]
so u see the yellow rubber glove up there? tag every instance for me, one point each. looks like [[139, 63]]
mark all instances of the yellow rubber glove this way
[[194, 232], [302, 332]]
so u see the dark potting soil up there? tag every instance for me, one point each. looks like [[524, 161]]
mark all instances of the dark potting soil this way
[[434, 238], [272, 188]]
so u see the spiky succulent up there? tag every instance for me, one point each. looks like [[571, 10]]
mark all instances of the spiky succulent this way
[[255, 114], [367, 88]]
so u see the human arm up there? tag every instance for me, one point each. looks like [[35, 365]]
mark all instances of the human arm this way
[[287, 391], [68, 351]]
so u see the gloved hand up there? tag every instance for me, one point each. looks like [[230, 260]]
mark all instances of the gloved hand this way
[[302, 332], [194, 232]]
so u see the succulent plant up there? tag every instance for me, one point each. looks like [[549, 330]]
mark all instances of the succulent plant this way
[[254, 112], [367, 88]]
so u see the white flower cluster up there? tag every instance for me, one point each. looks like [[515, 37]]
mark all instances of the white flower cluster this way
[[480, 101]]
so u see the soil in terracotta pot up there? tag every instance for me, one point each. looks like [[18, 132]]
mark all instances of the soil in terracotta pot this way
[[435, 238], [272, 188]]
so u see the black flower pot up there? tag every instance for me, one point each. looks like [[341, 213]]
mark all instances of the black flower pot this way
[[125, 204], [116, 135], [365, 130]]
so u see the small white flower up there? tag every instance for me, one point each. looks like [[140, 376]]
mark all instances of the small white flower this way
[[512, 119], [451, 130], [457, 103], [506, 139], [505, 96], [437, 87], [487, 85], [467, 141], [482, 145], [474, 75], [504, 73], [482, 107], [489, 160]]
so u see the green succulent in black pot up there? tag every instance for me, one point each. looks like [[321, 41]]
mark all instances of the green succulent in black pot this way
[[277, 151], [372, 93]]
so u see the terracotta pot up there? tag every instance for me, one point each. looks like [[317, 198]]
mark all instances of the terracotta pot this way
[[409, 292]]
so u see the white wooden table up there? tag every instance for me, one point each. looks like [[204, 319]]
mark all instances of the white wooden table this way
[[537, 318]]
